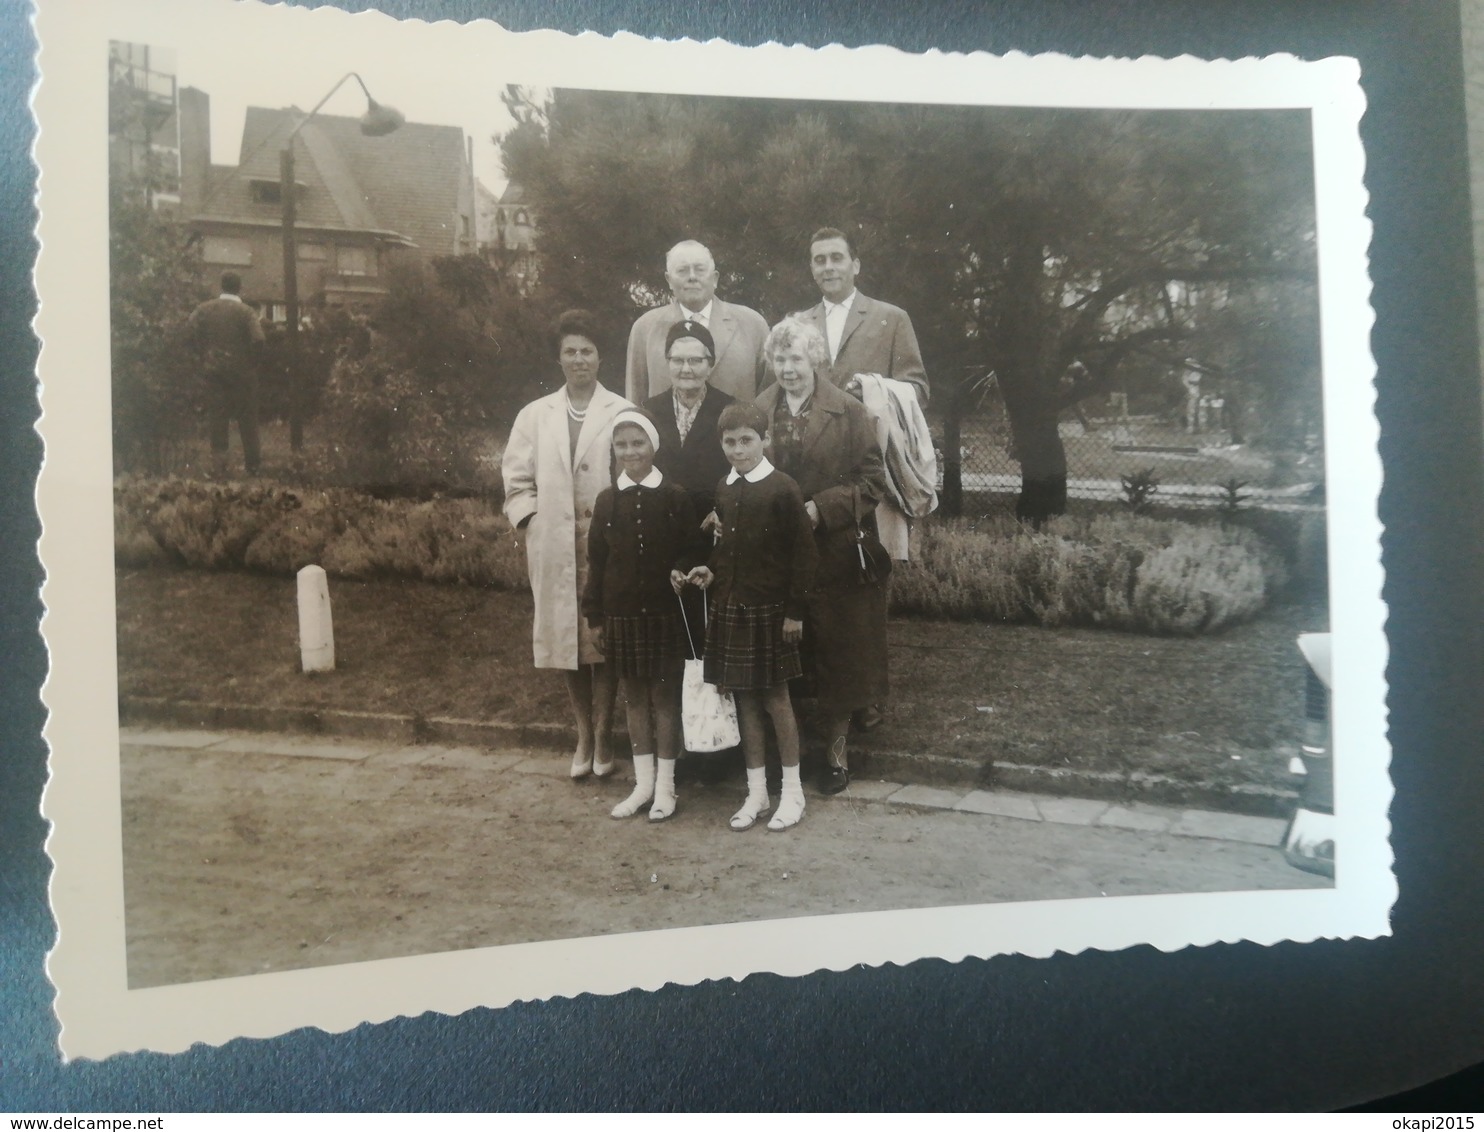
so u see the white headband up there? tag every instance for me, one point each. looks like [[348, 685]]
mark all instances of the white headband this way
[[633, 417]]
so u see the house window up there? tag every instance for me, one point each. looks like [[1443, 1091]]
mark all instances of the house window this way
[[314, 252], [265, 192], [521, 217], [235, 250], [355, 261]]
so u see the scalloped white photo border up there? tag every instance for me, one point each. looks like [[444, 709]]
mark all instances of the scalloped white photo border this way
[[100, 1016]]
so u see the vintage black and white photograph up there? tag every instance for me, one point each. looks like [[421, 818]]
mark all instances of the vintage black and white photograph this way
[[532, 514]]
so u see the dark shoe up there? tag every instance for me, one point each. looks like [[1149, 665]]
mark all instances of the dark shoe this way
[[867, 719], [836, 779]]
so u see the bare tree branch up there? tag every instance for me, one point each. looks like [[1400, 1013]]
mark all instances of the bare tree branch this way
[[1096, 303], [1106, 357]]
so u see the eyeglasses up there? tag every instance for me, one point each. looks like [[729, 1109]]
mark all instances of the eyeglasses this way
[[689, 363]]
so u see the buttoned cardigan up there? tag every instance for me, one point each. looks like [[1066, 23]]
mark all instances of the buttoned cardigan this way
[[637, 537]]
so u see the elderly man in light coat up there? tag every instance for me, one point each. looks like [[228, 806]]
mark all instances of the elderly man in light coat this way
[[737, 368]]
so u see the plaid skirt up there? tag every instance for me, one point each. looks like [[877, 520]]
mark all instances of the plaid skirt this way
[[649, 644], [745, 649]]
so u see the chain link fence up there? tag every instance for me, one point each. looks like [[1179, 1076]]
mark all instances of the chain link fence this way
[[1190, 454]]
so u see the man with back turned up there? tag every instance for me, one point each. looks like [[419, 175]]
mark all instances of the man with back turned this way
[[228, 338]]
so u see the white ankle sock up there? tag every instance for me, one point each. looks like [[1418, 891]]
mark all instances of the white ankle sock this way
[[757, 799], [664, 790], [643, 788], [791, 804]]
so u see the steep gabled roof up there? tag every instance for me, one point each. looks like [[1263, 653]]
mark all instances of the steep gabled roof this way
[[353, 203], [410, 182]]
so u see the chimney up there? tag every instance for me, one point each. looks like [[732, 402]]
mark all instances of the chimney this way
[[195, 149]]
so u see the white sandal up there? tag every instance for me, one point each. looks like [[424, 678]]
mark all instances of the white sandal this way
[[789, 813], [748, 815]]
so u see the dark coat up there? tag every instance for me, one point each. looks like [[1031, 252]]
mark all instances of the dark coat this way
[[841, 471], [227, 334], [637, 537], [699, 464], [765, 554]]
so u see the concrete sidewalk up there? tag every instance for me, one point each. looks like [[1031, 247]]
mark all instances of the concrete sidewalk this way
[[965, 775], [1017, 805]]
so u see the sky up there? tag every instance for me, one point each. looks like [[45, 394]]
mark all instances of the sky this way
[[299, 71]]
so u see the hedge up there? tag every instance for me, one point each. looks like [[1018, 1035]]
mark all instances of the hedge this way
[[1134, 573]]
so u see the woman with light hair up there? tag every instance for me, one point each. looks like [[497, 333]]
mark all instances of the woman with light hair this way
[[826, 441]]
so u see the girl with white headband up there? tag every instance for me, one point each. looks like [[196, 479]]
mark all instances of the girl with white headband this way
[[644, 539]]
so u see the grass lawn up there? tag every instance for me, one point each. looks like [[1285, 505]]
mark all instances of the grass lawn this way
[[1212, 709], [1093, 455]]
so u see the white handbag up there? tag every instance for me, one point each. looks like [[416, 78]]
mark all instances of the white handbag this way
[[708, 716]]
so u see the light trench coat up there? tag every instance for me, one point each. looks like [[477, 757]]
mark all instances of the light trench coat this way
[[542, 481]]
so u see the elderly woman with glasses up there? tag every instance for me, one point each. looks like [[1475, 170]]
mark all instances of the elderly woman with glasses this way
[[686, 415], [826, 441]]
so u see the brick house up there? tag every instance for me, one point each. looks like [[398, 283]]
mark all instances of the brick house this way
[[362, 202]]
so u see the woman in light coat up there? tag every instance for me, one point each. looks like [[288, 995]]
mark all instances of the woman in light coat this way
[[559, 457]]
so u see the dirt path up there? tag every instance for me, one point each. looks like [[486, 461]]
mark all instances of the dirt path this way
[[239, 862]]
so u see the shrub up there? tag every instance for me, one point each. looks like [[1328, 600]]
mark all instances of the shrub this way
[[133, 545], [278, 531], [1134, 573], [475, 545], [297, 536], [155, 281], [1206, 580], [1139, 489], [1126, 572], [452, 352], [194, 524]]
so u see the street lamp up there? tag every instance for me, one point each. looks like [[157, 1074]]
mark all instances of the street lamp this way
[[378, 121]]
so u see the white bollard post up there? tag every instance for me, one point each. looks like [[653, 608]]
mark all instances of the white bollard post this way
[[316, 634]]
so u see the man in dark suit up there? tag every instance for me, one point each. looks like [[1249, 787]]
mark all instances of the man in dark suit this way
[[737, 331], [690, 451], [228, 339], [864, 335]]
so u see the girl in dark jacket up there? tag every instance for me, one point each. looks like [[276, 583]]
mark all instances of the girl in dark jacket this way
[[758, 579], [645, 536]]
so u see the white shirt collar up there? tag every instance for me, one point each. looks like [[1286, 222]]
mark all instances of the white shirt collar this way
[[703, 315], [654, 479], [234, 298], [844, 304], [763, 470]]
